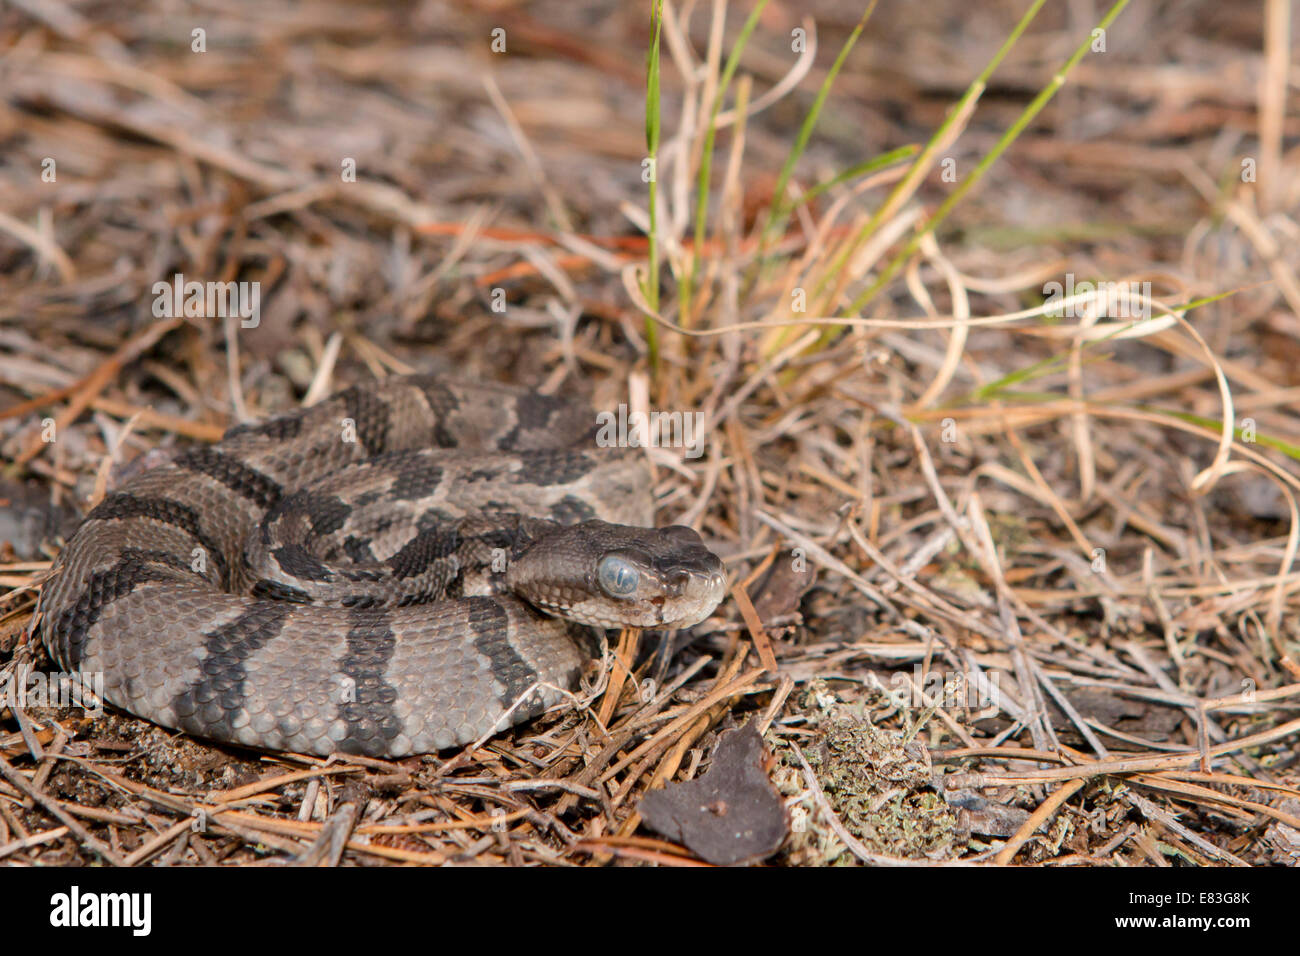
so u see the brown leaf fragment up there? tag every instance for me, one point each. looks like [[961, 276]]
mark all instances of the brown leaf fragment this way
[[986, 817], [732, 814], [781, 588]]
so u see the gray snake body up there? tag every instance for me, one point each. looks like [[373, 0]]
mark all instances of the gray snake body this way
[[394, 570]]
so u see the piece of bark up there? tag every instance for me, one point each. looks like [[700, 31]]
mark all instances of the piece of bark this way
[[986, 817], [732, 814], [778, 593]]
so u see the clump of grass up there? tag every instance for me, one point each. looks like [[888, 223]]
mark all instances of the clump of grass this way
[[830, 273], [829, 374]]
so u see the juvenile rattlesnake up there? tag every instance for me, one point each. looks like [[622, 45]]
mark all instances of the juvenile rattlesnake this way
[[369, 575]]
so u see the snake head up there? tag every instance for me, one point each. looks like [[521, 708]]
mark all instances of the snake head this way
[[609, 575]]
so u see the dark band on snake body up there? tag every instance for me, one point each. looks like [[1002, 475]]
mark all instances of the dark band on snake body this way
[[235, 475], [559, 467], [414, 483], [296, 560], [327, 513], [281, 428], [427, 547], [125, 505], [442, 404], [534, 414], [279, 591], [358, 550], [370, 416], [571, 510], [212, 703], [488, 623], [367, 700], [74, 622]]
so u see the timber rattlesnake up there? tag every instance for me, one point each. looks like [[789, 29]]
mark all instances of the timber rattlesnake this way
[[365, 575]]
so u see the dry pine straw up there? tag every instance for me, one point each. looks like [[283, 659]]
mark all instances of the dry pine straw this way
[[1121, 728]]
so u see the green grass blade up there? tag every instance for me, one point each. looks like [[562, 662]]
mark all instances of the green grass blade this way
[[908, 183], [1047, 365], [652, 126], [1216, 425], [974, 176], [780, 209], [854, 172], [706, 156]]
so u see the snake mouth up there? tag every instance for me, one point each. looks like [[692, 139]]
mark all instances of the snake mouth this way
[[684, 604], [699, 596]]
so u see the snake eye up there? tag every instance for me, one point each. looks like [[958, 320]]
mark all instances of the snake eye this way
[[617, 577]]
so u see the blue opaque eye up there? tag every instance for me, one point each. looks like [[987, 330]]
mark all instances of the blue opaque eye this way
[[617, 577]]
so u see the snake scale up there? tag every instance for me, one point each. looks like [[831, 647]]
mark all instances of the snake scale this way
[[401, 568]]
